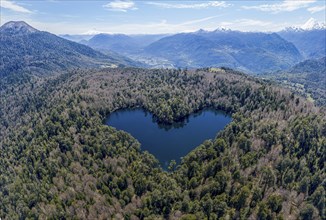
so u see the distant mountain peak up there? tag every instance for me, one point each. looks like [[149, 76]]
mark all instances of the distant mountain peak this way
[[222, 29], [27, 49], [310, 24], [313, 24], [219, 29], [200, 31], [18, 27]]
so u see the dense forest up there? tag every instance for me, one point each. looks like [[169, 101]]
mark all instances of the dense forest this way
[[59, 161]]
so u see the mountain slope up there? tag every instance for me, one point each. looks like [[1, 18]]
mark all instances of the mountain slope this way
[[24, 48], [116, 42], [121, 43], [311, 42], [313, 67], [190, 50], [307, 77], [79, 38], [252, 52]]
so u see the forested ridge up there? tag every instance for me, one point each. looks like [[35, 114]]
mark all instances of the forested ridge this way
[[307, 78], [26, 49], [59, 161]]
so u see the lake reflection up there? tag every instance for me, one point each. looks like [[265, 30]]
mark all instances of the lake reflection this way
[[169, 142]]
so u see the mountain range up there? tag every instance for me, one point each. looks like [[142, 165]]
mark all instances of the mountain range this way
[[248, 51], [26, 48], [233, 49], [311, 43]]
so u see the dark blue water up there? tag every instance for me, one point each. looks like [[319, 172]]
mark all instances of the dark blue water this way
[[172, 142]]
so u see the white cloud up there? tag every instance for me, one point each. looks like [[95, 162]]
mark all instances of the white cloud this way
[[159, 27], [191, 5], [247, 25], [94, 32], [251, 22], [13, 6], [162, 26], [317, 9], [252, 25], [199, 20], [206, 23], [287, 5], [120, 5]]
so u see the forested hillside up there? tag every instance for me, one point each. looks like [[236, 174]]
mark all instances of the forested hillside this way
[[59, 161], [25, 49], [307, 78]]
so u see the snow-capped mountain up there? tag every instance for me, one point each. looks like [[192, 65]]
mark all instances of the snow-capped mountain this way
[[309, 38], [309, 25], [312, 24]]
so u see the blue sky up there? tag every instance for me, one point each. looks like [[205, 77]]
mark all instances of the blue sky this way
[[150, 17]]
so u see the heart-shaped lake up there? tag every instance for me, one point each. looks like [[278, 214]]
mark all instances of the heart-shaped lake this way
[[171, 142]]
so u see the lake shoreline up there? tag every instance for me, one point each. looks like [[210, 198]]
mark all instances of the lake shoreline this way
[[169, 142]]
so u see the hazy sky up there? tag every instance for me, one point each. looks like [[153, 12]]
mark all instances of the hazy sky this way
[[132, 17]]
